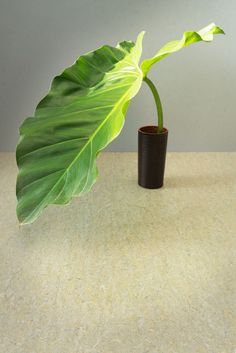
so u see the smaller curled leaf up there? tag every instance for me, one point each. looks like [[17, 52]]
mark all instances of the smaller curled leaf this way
[[205, 34]]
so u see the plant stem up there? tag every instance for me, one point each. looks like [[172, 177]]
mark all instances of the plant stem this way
[[158, 103]]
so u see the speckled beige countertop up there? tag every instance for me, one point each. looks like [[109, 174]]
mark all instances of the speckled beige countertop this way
[[124, 269]]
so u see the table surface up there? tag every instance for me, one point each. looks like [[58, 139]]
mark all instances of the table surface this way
[[124, 269]]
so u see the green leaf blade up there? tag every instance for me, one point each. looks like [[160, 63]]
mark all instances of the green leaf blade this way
[[83, 112], [205, 34]]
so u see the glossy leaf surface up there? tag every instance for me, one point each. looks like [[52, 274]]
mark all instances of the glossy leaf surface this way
[[83, 111], [205, 34]]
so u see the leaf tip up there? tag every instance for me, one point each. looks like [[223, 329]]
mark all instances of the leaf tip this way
[[140, 36], [220, 31], [209, 30]]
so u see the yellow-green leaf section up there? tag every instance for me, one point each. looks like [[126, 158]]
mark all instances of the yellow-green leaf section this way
[[83, 111], [205, 34]]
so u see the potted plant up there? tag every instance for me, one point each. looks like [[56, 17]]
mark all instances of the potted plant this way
[[83, 111]]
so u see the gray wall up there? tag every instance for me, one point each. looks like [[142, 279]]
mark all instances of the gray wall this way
[[197, 85]]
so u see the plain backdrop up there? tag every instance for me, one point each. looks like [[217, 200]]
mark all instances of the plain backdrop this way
[[39, 38]]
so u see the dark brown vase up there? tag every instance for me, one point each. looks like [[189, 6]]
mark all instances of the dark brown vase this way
[[151, 156]]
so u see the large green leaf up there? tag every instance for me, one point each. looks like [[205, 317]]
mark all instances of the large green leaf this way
[[205, 34], [83, 111]]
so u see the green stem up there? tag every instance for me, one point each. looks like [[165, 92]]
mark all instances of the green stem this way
[[158, 103]]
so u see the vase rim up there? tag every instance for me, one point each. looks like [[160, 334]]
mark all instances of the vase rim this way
[[151, 130]]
